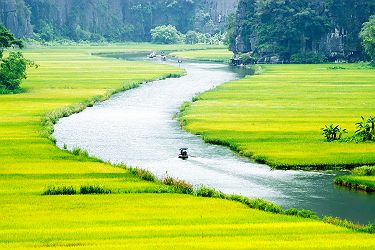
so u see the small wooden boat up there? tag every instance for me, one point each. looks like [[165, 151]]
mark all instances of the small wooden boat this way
[[152, 55], [183, 154]]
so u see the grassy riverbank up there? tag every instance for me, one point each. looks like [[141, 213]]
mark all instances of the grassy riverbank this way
[[211, 55], [275, 117], [134, 215], [362, 178]]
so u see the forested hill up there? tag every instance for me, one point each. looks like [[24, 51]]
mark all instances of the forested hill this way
[[114, 20], [286, 30]]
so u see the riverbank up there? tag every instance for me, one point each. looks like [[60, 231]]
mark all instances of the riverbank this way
[[362, 178], [211, 55], [131, 216], [276, 117]]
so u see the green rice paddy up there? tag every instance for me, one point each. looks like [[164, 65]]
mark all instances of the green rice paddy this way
[[276, 117], [213, 55], [362, 178], [133, 217]]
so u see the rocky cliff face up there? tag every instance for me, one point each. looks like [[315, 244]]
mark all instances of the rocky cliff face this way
[[112, 19], [15, 15], [325, 27]]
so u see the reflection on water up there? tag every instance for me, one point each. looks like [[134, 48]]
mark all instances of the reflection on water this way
[[137, 128]]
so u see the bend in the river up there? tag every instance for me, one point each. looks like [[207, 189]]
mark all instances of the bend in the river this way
[[137, 128]]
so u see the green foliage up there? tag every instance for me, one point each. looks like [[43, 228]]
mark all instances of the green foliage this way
[[143, 174], [46, 31], [7, 40], [94, 189], [13, 70], [70, 190], [62, 190], [368, 37], [180, 186], [333, 133], [364, 171], [307, 58], [300, 29], [165, 34], [348, 224], [366, 129], [208, 192], [191, 37]]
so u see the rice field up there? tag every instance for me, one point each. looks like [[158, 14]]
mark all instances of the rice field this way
[[137, 215], [213, 55], [276, 117], [362, 178]]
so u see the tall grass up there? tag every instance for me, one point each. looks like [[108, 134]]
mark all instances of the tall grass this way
[[179, 186], [348, 224], [70, 190]]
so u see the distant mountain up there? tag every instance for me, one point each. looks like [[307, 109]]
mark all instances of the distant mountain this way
[[300, 30], [114, 20]]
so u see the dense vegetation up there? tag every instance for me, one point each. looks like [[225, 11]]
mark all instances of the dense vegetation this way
[[111, 20], [13, 67], [300, 31], [134, 213], [368, 36], [275, 117]]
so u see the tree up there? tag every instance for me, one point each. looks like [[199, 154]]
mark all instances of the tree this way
[[165, 34], [12, 68], [364, 128], [333, 133], [191, 37], [368, 37], [7, 40]]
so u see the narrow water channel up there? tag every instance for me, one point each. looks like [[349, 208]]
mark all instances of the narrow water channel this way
[[137, 128]]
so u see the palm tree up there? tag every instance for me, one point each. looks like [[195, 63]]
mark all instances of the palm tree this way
[[333, 133], [363, 129], [371, 121]]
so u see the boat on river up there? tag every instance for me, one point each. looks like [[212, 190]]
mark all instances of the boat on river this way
[[183, 154]]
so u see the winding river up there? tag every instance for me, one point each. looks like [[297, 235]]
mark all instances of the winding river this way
[[137, 128]]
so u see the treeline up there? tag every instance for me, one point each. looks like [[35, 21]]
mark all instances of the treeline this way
[[299, 31], [111, 20]]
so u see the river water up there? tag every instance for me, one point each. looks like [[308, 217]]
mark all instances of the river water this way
[[137, 128]]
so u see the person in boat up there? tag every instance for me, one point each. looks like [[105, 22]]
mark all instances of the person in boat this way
[[183, 154]]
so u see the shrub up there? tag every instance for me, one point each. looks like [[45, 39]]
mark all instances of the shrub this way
[[249, 58], [179, 186], [348, 224], [307, 214], [143, 174], [292, 211], [80, 152], [63, 190], [265, 206], [365, 170], [333, 133], [89, 189], [165, 34], [209, 192], [366, 129], [308, 58], [191, 37]]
